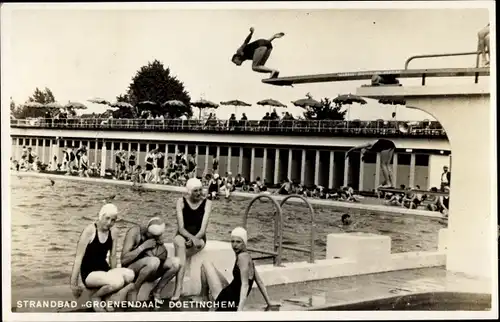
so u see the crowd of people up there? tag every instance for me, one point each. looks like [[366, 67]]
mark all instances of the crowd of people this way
[[144, 258]]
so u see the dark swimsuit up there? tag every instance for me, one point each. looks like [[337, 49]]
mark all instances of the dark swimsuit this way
[[149, 164], [382, 145], [193, 218], [229, 297], [249, 50], [131, 160], [161, 162], [95, 256], [30, 158]]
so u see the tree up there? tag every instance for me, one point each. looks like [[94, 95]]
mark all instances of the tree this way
[[326, 111], [39, 96], [154, 82]]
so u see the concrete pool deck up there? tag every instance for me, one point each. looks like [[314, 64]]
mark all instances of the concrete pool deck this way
[[341, 205], [329, 293]]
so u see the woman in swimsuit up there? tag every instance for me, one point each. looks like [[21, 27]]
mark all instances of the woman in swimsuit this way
[[150, 157], [193, 212], [97, 240], [70, 159], [258, 52], [84, 164], [232, 296], [131, 161], [386, 149]]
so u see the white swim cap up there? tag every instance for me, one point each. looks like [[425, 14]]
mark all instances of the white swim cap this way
[[193, 184], [216, 176], [229, 173], [108, 209], [156, 226], [240, 232]]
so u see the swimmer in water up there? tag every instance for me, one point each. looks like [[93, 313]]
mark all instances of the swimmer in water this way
[[258, 52], [483, 45], [244, 276], [148, 267], [103, 279], [386, 149], [193, 213]]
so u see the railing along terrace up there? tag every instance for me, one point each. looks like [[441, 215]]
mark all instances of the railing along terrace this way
[[304, 127]]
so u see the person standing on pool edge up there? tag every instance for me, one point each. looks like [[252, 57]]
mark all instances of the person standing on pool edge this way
[[193, 212], [386, 149], [258, 52]]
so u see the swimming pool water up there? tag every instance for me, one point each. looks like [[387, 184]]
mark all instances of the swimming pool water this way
[[47, 222]]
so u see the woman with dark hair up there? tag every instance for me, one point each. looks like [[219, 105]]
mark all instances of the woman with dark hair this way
[[258, 52]]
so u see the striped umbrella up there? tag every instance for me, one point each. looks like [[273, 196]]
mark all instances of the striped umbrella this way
[[33, 105], [75, 106]]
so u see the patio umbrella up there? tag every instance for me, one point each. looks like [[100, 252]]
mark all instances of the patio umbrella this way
[[147, 105], [54, 105], [349, 99], [75, 106], [235, 103], [306, 102], [99, 100], [270, 102], [202, 103], [33, 105], [174, 103]]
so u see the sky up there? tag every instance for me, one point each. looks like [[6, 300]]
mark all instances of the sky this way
[[84, 53]]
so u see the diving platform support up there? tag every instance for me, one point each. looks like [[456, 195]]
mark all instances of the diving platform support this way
[[465, 112]]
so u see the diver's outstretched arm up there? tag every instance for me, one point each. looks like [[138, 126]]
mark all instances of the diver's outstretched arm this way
[[356, 148], [247, 39]]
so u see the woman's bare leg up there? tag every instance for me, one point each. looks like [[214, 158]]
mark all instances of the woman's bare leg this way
[[385, 162], [180, 252], [260, 58]]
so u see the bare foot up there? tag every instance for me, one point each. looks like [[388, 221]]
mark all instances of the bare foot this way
[[95, 304], [275, 74]]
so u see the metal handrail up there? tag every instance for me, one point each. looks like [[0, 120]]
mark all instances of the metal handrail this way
[[277, 126], [313, 224], [444, 55], [278, 226]]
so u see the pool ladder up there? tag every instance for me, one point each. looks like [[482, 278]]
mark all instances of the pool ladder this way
[[277, 253]]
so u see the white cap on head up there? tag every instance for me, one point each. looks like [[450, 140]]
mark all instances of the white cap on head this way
[[192, 184], [156, 226], [240, 232], [108, 209], [216, 176]]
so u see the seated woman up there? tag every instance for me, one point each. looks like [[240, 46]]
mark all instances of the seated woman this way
[[386, 149], [97, 240], [193, 213], [258, 52], [443, 203], [232, 296]]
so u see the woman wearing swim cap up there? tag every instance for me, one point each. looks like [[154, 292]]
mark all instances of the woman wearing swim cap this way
[[258, 52], [244, 275], [97, 240], [193, 212], [139, 254]]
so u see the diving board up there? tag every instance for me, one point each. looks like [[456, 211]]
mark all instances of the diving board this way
[[367, 75]]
